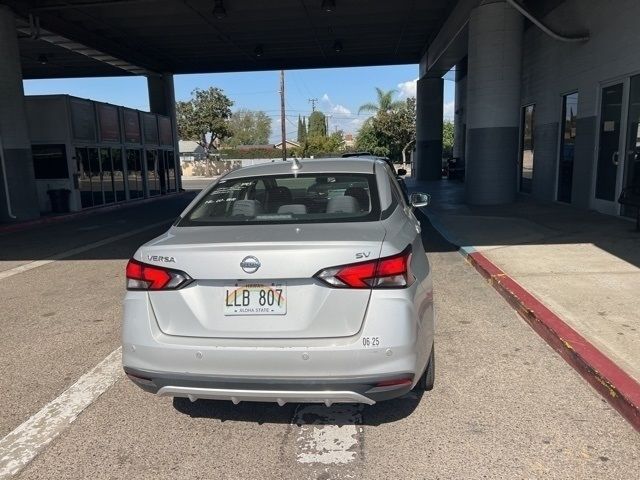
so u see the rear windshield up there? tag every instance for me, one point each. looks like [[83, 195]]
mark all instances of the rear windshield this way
[[305, 198]]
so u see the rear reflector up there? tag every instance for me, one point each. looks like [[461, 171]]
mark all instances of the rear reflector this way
[[395, 383], [387, 272], [141, 380], [142, 276]]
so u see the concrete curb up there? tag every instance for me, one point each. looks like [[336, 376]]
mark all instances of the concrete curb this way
[[614, 384], [18, 227]]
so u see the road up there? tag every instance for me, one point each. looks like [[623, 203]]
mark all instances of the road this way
[[505, 405], [196, 183]]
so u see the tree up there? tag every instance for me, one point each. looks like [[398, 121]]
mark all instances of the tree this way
[[204, 118], [447, 139], [247, 127], [385, 102], [302, 130], [324, 144], [390, 133], [368, 140], [317, 125]]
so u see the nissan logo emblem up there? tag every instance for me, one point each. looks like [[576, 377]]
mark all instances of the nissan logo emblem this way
[[250, 264]]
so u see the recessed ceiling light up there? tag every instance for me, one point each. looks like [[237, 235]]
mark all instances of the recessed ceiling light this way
[[42, 59], [259, 51], [328, 5], [219, 11], [337, 46]]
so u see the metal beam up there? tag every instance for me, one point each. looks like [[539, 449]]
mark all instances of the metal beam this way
[[85, 4], [63, 42], [55, 26]]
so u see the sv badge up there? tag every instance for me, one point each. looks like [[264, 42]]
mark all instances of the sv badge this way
[[360, 255]]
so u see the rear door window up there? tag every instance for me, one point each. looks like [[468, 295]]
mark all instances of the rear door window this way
[[305, 198]]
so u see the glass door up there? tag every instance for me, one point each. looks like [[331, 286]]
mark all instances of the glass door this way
[[567, 147], [152, 173], [134, 174], [632, 152], [526, 149], [162, 171], [84, 177], [609, 148], [96, 177], [171, 170], [118, 174], [107, 175]]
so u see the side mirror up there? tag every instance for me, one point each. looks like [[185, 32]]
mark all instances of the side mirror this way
[[418, 200], [401, 172]]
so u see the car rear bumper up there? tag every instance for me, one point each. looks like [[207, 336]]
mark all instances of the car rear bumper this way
[[366, 390], [325, 370]]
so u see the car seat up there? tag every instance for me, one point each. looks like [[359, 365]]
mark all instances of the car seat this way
[[246, 208], [361, 195], [295, 208], [344, 204], [276, 197]]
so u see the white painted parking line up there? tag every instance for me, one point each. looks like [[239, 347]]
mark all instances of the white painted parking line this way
[[75, 251], [328, 435], [21, 446]]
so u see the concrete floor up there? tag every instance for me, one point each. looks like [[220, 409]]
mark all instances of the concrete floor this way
[[583, 265], [504, 406]]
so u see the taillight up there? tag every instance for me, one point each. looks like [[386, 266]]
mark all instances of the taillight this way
[[142, 276], [387, 272]]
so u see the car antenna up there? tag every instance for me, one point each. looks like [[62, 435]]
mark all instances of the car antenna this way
[[295, 166]]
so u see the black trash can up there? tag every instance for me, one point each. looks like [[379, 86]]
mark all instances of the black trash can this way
[[59, 200]]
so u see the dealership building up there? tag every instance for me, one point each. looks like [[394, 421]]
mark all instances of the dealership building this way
[[547, 92], [100, 153]]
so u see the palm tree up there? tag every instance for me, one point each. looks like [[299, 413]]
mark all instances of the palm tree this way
[[385, 102]]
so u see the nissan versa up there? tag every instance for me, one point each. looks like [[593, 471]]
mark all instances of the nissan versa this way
[[291, 281]]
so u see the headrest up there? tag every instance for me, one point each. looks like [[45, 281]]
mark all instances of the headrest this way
[[344, 204], [359, 194], [246, 208], [295, 208]]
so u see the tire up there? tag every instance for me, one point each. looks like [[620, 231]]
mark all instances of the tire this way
[[429, 376]]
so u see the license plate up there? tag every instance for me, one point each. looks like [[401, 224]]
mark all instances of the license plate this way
[[255, 299]]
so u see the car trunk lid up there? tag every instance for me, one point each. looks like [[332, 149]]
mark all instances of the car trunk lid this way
[[288, 255]]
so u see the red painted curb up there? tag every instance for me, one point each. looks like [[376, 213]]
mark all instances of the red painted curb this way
[[17, 227], [613, 383]]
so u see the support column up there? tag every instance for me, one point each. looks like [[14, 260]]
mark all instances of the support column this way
[[429, 98], [18, 192], [162, 100], [493, 103], [459, 117]]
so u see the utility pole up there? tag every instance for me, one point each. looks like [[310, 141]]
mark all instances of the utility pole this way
[[313, 101], [282, 117]]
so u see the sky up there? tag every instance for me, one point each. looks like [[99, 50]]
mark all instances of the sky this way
[[340, 91]]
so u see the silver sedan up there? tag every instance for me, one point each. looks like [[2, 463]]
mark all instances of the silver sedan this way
[[296, 281]]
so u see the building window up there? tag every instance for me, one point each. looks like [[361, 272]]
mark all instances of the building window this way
[[567, 146], [526, 149], [50, 162]]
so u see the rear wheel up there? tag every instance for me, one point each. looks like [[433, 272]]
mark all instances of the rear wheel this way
[[428, 377]]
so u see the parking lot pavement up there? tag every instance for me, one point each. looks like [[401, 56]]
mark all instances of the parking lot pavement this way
[[61, 318], [504, 406], [34, 244]]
